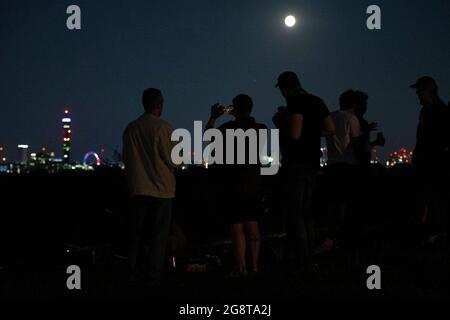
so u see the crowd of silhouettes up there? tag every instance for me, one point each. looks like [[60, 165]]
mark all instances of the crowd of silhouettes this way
[[302, 123]]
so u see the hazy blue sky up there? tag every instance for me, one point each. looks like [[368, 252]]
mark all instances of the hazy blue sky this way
[[204, 51]]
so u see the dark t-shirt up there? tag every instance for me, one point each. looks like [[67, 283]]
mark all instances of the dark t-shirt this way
[[242, 178], [306, 150], [432, 135]]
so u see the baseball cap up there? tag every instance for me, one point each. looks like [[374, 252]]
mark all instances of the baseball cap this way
[[423, 82], [288, 79]]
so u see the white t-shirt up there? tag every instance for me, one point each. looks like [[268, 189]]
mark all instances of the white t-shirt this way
[[147, 148], [339, 147]]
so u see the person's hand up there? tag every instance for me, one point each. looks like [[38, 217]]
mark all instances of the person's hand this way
[[278, 116], [216, 111], [373, 126], [380, 140]]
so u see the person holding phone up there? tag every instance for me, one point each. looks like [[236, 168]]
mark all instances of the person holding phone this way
[[242, 185]]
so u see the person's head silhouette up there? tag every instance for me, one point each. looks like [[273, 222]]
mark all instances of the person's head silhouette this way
[[426, 90], [153, 101], [242, 106], [354, 101], [288, 83]]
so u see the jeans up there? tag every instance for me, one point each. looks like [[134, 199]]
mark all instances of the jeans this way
[[298, 186], [150, 225], [436, 197]]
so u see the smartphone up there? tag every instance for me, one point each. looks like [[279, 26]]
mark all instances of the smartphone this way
[[228, 109]]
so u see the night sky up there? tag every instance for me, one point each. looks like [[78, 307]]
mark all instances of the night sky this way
[[200, 52]]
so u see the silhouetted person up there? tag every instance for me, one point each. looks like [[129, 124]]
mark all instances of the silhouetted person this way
[[364, 155], [149, 171], [242, 188], [302, 123], [343, 149], [432, 145]]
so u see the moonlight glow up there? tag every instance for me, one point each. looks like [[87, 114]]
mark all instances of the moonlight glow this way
[[290, 21]]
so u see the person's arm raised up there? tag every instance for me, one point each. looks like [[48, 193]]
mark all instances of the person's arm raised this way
[[216, 112]]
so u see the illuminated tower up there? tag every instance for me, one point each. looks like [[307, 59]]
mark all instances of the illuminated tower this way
[[67, 140], [23, 153]]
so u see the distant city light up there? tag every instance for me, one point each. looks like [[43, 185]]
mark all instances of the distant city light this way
[[400, 157], [22, 146], [92, 154], [67, 137]]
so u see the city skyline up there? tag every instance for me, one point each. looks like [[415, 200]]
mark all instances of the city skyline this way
[[22, 152]]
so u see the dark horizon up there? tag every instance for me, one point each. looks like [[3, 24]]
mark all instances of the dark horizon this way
[[203, 52]]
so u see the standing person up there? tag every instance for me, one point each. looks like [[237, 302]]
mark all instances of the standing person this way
[[151, 181], [343, 149], [302, 123], [433, 139], [242, 184]]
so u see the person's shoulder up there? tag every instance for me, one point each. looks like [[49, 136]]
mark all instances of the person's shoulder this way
[[259, 126], [165, 124], [296, 97], [312, 96], [130, 128], [164, 127], [306, 98], [349, 115], [315, 99], [337, 115], [319, 105], [352, 119], [439, 111], [227, 125]]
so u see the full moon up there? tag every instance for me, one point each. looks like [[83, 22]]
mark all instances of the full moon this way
[[289, 21]]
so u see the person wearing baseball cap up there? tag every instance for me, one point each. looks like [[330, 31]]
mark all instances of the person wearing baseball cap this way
[[433, 139], [426, 88], [288, 80], [301, 123], [432, 132]]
